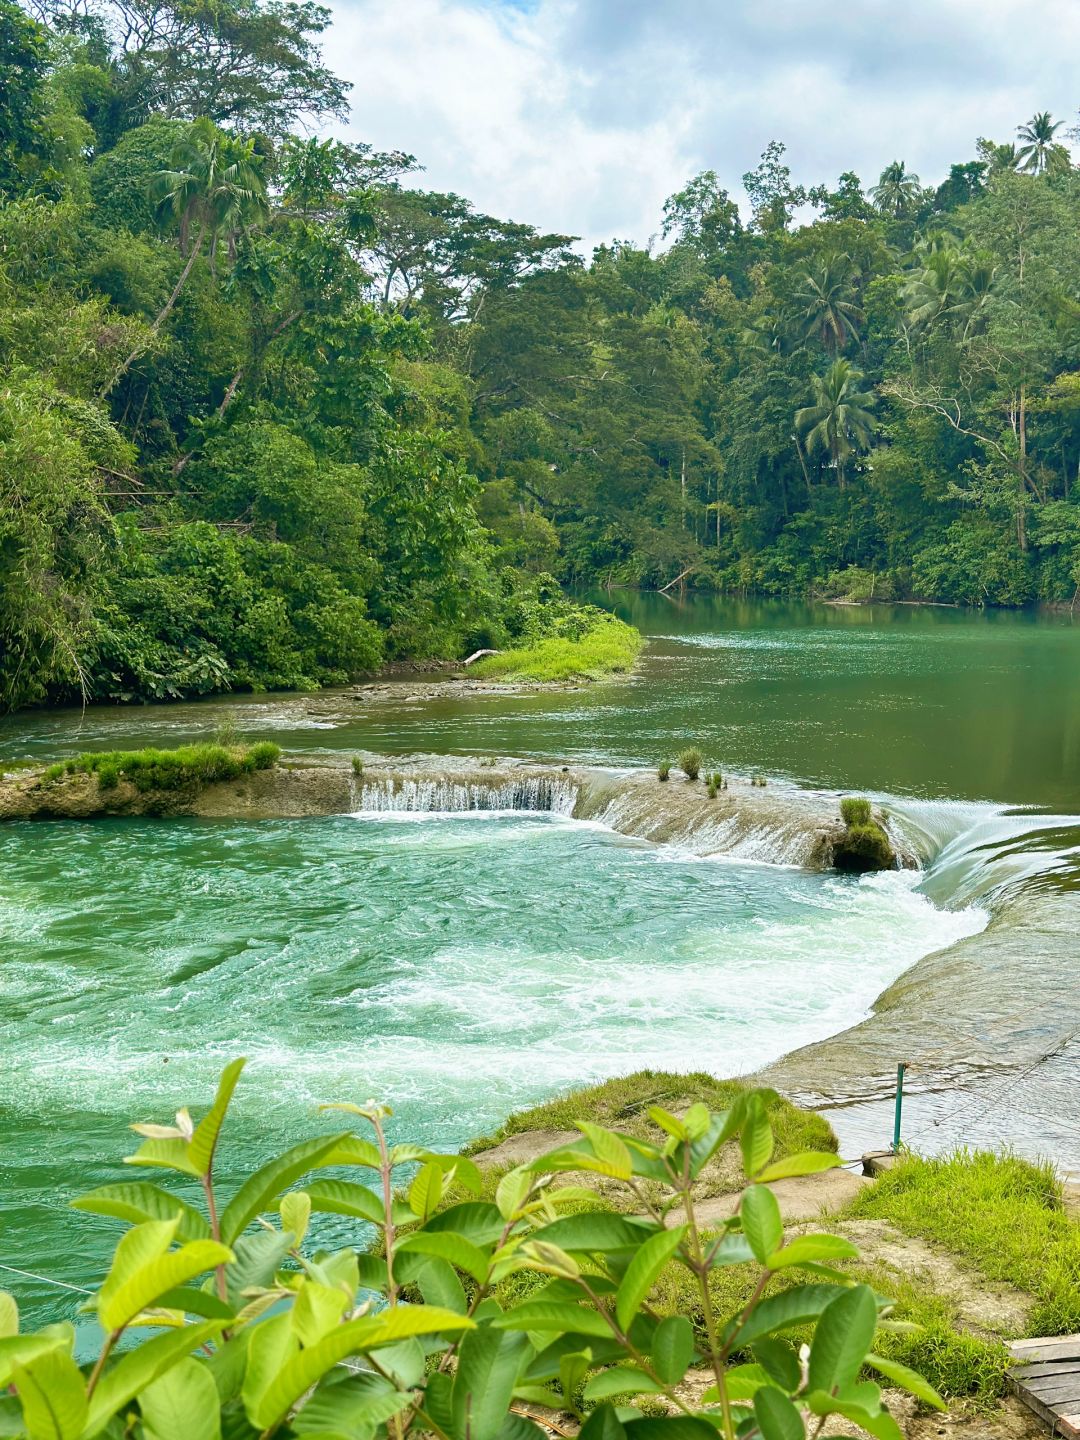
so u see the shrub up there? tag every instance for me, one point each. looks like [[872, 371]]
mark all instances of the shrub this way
[[357, 765], [758, 780], [864, 847], [609, 647], [663, 770], [689, 762], [712, 787], [262, 1316], [855, 810]]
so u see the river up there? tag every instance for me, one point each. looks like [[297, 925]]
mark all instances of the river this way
[[460, 966]]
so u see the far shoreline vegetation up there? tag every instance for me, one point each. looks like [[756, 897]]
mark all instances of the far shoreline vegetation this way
[[275, 415]]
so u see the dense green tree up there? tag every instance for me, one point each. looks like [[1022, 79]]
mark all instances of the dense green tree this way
[[838, 421]]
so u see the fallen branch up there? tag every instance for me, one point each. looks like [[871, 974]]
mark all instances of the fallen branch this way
[[477, 654], [672, 583]]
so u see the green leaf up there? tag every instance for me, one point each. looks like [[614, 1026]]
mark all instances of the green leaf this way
[[777, 1417], [477, 1221], [742, 1382], [182, 1404], [603, 1424], [203, 1143], [675, 1427], [808, 1249], [138, 1201], [351, 1150], [643, 1270], [809, 1162], [797, 1306], [346, 1197], [256, 1260], [458, 1168], [880, 1424], [909, 1380], [734, 1249], [608, 1147], [144, 1272], [756, 1137], [266, 1184], [9, 1315], [296, 1376], [355, 1407], [487, 1368], [165, 1155], [594, 1231], [272, 1345], [565, 1319], [672, 1348], [455, 1249], [425, 1192], [139, 1368], [572, 1371], [569, 1158], [316, 1310], [53, 1396], [621, 1380], [439, 1285], [22, 1349], [195, 1302], [761, 1222], [295, 1208], [842, 1339], [781, 1362], [668, 1122], [511, 1192]]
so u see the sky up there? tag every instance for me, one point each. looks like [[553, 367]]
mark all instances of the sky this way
[[581, 116]]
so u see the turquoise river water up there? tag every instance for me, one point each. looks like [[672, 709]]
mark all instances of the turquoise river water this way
[[460, 966]]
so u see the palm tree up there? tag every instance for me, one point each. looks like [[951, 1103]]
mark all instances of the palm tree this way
[[955, 283], [896, 190], [830, 312], [215, 190], [1040, 152], [998, 159], [838, 421]]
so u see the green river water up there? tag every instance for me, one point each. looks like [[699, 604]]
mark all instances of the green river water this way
[[461, 966]]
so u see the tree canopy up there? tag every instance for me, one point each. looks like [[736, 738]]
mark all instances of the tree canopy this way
[[273, 412]]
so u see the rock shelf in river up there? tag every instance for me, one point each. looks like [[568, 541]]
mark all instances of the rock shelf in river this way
[[776, 824]]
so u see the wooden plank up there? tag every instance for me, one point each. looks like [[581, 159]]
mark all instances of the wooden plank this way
[[1032, 1373], [1064, 1425], [1066, 1395], [1067, 1348], [1018, 1347]]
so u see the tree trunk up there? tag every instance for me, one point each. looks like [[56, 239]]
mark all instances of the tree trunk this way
[[806, 473]]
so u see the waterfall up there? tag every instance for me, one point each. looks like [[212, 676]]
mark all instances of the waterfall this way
[[541, 793]]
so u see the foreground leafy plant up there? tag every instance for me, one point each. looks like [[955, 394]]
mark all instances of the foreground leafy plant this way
[[262, 1333]]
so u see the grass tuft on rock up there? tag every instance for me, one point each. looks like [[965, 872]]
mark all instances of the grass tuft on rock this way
[[855, 810], [689, 762]]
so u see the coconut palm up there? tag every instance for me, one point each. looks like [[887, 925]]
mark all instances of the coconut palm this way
[[214, 192], [954, 282], [998, 159], [896, 191], [1040, 152], [838, 421], [830, 312]]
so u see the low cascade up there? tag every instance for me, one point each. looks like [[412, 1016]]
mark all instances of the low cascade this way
[[541, 793]]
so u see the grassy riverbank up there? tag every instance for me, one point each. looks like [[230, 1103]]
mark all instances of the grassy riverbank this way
[[976, 1249], [153, 769], [609, 647]]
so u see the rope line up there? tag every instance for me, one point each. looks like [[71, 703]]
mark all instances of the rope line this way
[[45, 1279]]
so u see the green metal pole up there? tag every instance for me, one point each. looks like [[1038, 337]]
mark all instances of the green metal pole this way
[[899, 1106]]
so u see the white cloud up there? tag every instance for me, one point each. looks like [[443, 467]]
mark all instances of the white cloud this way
[[583, 115]]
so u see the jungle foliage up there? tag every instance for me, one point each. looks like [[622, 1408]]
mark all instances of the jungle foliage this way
[[231, 1317], [273, 412]]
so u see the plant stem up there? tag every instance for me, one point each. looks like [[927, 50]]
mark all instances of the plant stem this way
[[99, 1364]]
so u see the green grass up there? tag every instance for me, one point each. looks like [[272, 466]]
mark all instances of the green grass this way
[[167, 769], [622, 1104], [609, 649], [1000, 1213]]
